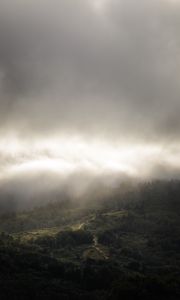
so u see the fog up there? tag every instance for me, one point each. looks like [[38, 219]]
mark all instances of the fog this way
[[89, 90]]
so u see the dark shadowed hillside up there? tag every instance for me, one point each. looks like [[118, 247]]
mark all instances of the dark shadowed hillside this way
[[126, 246]]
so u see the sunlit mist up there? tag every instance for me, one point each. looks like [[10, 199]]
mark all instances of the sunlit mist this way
[[67, 155]]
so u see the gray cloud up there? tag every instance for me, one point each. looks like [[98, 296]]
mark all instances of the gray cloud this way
[[66, 67]]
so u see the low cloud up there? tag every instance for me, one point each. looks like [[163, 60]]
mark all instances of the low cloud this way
[[102, 70]]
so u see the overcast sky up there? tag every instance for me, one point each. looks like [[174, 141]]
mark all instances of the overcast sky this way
[[105, 70], [102, 67]]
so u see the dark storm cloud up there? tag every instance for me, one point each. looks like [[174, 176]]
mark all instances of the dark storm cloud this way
[[66, 66]]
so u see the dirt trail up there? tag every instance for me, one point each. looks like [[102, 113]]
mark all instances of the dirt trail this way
[[95, 241], [95, 246]]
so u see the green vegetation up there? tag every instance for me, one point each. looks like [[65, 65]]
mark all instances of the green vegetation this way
[[124, 247]]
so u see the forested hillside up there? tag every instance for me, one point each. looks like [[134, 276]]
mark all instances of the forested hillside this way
[[125, 246]]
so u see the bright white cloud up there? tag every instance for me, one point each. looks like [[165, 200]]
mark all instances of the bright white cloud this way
[[68, 155]]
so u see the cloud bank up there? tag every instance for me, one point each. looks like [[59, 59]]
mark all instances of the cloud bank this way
[[106, 70]]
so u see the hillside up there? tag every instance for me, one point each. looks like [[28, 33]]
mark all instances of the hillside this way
[[126, 246]]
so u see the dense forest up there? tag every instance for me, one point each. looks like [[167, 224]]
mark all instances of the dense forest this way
[[124, 246]]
